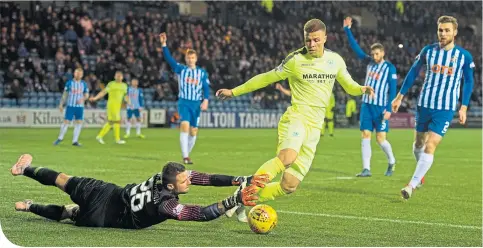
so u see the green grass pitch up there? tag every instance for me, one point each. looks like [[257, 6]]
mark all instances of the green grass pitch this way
[[330, 207]]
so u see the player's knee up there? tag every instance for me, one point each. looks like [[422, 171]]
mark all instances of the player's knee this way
[[61, 180], [287, 156], [193, 131], [365, 134], [289, 186], [185, 126], [380, 138]]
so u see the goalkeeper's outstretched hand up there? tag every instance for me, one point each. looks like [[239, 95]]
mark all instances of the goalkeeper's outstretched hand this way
[[247, 196], [257, 180]]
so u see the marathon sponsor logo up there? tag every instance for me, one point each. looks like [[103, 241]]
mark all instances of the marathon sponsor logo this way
[[318, 76]]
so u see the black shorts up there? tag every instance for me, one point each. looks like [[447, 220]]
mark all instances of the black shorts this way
[[98, 201]]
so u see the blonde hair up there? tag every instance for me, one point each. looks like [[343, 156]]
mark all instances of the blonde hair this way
[[448, 19], [314, 25]]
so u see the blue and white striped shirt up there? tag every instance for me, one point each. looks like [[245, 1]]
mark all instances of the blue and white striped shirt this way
[[136, 97], [76, 91], [194, 84], [444, 71], [382, 77]]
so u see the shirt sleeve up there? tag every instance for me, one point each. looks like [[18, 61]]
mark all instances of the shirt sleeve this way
[[392, 87], [67, 86], [414, 71], [468, 70], [108, 87], [346, 81], [206, 86]]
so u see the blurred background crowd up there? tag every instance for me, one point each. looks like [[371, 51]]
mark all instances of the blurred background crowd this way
[[43, 43]]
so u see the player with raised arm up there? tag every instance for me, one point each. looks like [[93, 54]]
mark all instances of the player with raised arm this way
[[135, 206], [375, 113], [311, 72], [75, 94], [134, 109], [117, 91], [193, 96], [446, 64]]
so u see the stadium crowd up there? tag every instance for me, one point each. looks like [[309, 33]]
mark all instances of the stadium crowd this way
[[40, 50]]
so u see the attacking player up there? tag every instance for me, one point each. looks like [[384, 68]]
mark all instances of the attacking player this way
[[134, 109], [446, 63], [117, 91], [311, 72], [136, 206], [76, 93], [194, 94], [329, 116], [375, 113]]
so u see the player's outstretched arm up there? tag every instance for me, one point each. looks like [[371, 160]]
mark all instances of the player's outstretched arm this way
[[167, 55], [257, 82], [204, 179], [181, 212], [467, 86], [98, 96], [409, 80], [352, 41]]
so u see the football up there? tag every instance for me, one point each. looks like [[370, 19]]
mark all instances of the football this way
[[262, 219]]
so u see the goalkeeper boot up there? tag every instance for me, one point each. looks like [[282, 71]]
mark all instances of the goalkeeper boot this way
[[390, 168], [407, 191], [364, 173], [141, 136], [23, 162]]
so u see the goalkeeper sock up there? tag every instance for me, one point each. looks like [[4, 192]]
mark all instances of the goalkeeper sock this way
[[42, 175], [272, 167], [271, 191], [105, 129], [117, 131], [331, 127], [53, 212]]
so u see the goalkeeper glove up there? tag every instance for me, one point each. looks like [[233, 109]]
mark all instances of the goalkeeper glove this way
[[245, 196], [257, 180]]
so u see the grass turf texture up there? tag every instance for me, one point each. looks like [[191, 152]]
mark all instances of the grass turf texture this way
[[330, 208]]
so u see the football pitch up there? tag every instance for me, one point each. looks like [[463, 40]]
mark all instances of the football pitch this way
[[330, 208]]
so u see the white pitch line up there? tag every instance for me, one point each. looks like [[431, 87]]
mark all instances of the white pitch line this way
[[381, 219]]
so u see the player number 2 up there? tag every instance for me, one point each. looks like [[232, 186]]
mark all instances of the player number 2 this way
[[138, 199], [445, 128]]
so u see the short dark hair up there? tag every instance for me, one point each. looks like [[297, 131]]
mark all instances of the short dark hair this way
[[448, 19], [170, 171], [118, 72], [314, 25], [191, 51], [377, 46]]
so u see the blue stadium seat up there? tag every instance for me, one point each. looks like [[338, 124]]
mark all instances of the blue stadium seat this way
[[101, 104], [32, 105], [42, 105], [41, 94], [50, 94], [24, 101], [24, 105], [50, 101]]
